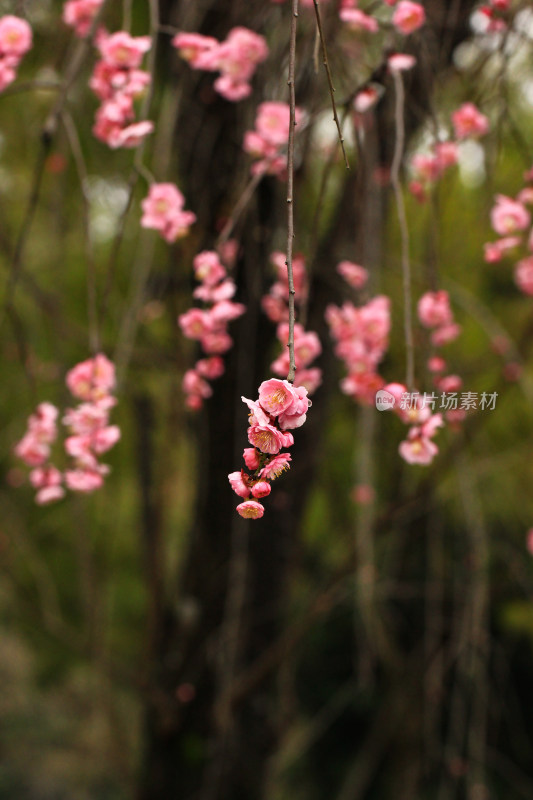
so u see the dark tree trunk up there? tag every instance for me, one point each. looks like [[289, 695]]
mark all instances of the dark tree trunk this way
[[234, 581]]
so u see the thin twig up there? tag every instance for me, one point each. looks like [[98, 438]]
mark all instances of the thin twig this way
[[81, 168], [290, 186], [325, 61], [47, 135], [126, 15], [404, 230], [239, 207], [138, 166]]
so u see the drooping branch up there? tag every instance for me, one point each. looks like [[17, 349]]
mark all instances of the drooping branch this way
[[290, 186]]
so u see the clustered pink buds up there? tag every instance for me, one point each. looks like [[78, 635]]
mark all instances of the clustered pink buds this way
[[275, 304], [362, 340], [428, 168], [406, 18], [236, 58], [90, 434], [468, 121], [268, 140], [163, 212], [15, 41], [435, 313], [79, 14], [279, 408], [209, 325], [418, 447], [511, 220], [117, 81]]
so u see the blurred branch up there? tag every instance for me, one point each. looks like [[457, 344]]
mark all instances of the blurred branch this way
[[325, 61]]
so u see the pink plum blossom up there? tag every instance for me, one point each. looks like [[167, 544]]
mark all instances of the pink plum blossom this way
[[79, 14], [494, 251], [366, 99], [408, 17], [15, 37], [192, 47], [238, 485], [468, 121], [251, 509], [261, 489], [84, 480], [401, 62], [357, 20], [419, 448], [207, 268], [163, 211], [274, 468], [92, 379], [268, 439], [509, 216], [251, 458], [15, 41], [445, 334], [524, 275], [353, 274], [276, 396], [123, 51], [434, 309]]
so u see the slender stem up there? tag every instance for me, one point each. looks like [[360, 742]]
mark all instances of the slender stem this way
[[48, 132], [404, 230], [138, 165], [239, 207], [325, 61], [81, 168], [126, 15], [290, 186]]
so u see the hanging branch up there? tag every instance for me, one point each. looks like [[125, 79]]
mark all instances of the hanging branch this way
[[404, 231], [290, 186], [325, 61]]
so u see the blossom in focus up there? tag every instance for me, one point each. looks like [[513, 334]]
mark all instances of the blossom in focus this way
[[251, 509]]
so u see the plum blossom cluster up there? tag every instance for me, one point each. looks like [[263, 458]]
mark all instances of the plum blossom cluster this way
[[163, 211], [280, 408], [268, 141], [362, 337], [89, 434], [236, 58], [209, 326], [511, 220], [80, 14], [407, 17], [418, 447], [117, 81], [428, 168], [15, 41], [306, 343], [435, 314]]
